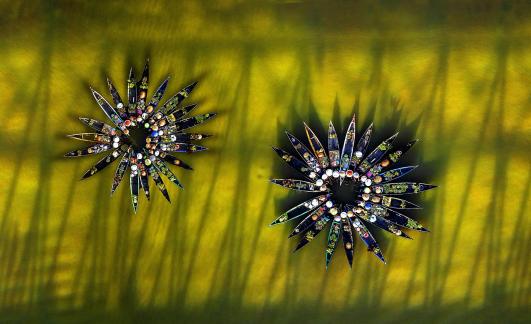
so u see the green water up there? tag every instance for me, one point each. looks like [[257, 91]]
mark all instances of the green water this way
[[460, 71]]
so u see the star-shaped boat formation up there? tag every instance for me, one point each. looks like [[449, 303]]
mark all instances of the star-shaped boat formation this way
[[144, 134], [354, 189]]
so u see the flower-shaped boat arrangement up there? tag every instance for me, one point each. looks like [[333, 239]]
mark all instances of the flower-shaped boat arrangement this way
[[144, 134], [352, 189]]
